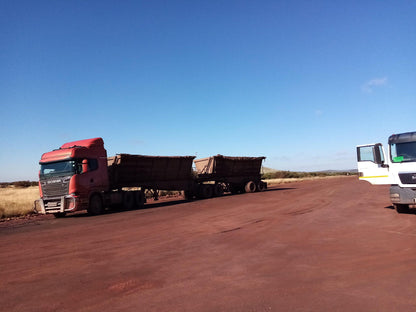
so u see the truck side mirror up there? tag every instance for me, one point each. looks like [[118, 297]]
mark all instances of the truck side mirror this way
[[84, 165]]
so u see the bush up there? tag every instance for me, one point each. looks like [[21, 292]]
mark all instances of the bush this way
[[23, 183], [298, 175]]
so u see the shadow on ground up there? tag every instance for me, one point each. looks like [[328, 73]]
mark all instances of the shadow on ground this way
[[164, 203]]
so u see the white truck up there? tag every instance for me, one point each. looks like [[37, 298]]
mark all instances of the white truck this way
[[397, 168]]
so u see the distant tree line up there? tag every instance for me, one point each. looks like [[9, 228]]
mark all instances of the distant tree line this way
[[294, 174], [21, 184], [267, 175]]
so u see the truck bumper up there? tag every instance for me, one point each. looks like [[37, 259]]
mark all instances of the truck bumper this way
[[401, 195], [66, 203]]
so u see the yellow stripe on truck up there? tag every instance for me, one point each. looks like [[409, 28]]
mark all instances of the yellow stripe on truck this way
[[371, 177]]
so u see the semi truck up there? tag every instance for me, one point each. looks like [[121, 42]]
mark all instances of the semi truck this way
[[80, 176], [396, 168]]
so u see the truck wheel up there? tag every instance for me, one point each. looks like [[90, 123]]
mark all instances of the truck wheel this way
[[128, 200], [401, 208], [95, 206], [235, 188], [261, 186], [205, 191], [189, 195], [250, 187], [218, 190], [139, 199]]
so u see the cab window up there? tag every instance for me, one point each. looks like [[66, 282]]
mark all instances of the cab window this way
[[365, 153]]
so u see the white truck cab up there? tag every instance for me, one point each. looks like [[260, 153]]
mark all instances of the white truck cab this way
[[397, 167]]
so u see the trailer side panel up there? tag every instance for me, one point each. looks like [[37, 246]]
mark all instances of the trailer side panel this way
[[225, 166], [161, 172]]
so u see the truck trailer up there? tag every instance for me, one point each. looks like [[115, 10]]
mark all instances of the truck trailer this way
[[397, 168], [79, 176]]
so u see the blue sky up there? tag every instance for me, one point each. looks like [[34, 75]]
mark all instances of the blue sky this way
[[300, 82]]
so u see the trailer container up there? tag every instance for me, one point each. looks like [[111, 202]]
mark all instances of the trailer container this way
[[151, 172], [237, 174]]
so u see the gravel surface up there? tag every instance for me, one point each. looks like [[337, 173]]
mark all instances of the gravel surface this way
[[324, 245]]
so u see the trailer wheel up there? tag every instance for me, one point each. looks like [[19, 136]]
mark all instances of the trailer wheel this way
[[235, 188], [261, 186], [95, 206], [139, 199], [128, 200], [205, 191], [401, 208], [218, 189], [189, 195], [250, 187]]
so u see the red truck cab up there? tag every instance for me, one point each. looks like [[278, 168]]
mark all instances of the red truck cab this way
[[71, 175]]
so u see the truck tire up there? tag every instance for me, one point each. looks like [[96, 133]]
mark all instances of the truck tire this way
[[218, 189], [128, 200], [236, 188], [261, 186], [139, 199], [189, 195], [401, 208], [95, 206], [205, 191], [250, 187]]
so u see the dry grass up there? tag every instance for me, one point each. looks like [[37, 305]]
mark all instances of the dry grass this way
[[15, 201], [288, 180]]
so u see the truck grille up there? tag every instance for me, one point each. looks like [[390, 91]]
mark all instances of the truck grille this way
[[55, 187], [408, 178]]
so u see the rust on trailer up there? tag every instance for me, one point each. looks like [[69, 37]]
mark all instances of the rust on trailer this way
[[142, 170], [229, 166]]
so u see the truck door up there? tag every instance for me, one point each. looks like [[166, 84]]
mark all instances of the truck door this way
[[372, 165]]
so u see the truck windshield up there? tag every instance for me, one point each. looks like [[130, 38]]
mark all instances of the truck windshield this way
[[402, 152], [68, 167]]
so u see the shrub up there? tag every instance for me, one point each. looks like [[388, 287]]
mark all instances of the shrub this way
[[22, 184], [298, 175]]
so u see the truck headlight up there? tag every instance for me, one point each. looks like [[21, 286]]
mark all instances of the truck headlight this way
[[395, 197], [69, 203]]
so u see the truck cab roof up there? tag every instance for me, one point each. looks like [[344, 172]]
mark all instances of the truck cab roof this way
[[77, 149], [402, 138]]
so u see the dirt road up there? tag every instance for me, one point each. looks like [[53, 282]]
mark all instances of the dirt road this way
[[326, 245]]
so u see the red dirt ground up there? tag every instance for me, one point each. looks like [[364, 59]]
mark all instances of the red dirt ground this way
[[324, 245]]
